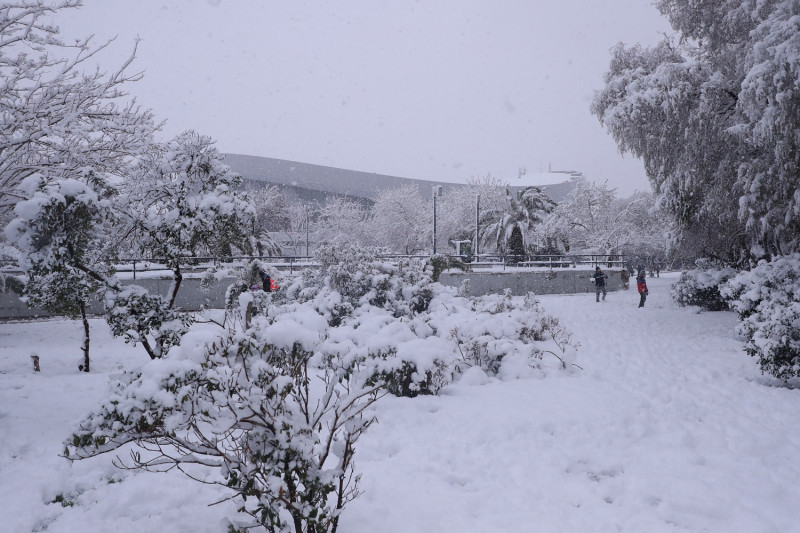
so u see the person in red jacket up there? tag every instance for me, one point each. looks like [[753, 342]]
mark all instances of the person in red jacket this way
[[641, 284]]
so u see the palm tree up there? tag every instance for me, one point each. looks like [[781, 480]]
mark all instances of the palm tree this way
[[525, 209]]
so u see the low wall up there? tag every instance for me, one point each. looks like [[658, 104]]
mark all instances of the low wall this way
[[566, 281], [193, 297]]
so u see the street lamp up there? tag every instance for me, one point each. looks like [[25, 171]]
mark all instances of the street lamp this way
[[437, 191], [477, 224]]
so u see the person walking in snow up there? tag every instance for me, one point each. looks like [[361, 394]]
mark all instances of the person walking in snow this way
[[599, 283], [641, 284]]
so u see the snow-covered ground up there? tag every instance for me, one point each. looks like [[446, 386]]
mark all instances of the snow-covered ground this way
[[668, 427]]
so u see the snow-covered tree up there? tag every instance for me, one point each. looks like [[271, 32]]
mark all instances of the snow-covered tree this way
[[516, 246], [272, 217], [341, 220], [526, 209], [714, 117], [60, 230], [586, 220], [184, 203], [401, 220], [53, 113], [643, 229]]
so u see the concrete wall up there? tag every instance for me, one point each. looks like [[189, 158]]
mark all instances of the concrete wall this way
[[193, 297], [566, 281]]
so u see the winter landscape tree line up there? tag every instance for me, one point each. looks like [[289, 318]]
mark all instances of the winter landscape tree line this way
[[276, 403]]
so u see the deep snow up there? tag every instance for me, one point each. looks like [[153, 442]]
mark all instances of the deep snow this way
[[668, 427]]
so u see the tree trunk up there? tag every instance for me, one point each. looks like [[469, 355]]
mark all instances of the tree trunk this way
[[176, 284], [85, 365]]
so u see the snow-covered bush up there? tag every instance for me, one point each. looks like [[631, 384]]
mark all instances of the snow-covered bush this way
[[767, 299], [503, 328], [440, 263], [141, 317], [701, 287], [351, 277], [245, 296], [276, 417], [277, 407], [12, 284], [417, 336]]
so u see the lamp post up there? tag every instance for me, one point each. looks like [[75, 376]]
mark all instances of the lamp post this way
[[306, 231], [437, 191], [477, 224]]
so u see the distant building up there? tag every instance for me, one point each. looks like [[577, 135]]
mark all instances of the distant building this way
[[312, 183]]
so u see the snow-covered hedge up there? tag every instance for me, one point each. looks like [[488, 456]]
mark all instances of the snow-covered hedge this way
[[767, 299], [701, 287]]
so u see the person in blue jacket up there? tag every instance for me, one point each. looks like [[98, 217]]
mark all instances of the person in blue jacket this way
[[599, 283]]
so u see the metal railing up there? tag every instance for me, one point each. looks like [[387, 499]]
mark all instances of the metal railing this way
[[547, 261], [139, 265], [201, 264], [292, 263]]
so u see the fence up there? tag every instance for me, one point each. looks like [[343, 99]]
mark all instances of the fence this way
[[292, 263]]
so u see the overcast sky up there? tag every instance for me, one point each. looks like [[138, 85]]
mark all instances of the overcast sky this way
[[440, 89]]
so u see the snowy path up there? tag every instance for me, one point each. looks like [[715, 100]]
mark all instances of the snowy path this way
[[669, 427]]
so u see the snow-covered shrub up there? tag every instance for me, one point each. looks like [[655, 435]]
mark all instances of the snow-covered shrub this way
[[503, 326], [277, 418], [401, 377], [351, 277], [701, 287], [141, 317], [12, 284], [441, 262], [416, 336], [767, 299]]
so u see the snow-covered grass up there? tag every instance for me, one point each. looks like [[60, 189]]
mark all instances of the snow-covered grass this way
[[668, 427]]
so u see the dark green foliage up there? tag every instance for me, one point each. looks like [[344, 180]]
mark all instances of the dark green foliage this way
[[516, 246], [403, 382], [12, 284], [440, 263], [701, 288]]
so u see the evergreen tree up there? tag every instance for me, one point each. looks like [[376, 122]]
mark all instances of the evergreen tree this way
[[516, 247]]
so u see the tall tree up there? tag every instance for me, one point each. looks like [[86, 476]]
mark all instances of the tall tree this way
[[54, 114], [714, 117], [341, 220], [400, 220]]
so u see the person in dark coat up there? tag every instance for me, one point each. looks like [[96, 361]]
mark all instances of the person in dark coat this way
[[599, 283], [266, 281], [641, 284]]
